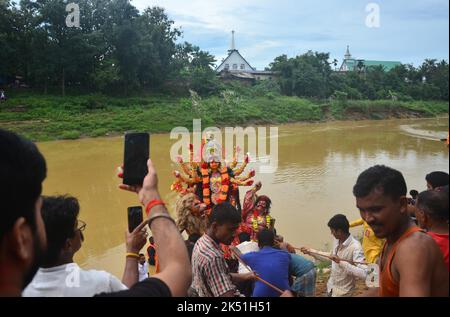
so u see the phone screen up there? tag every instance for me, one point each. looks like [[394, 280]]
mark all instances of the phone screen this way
[[135, 217], [136, 155]]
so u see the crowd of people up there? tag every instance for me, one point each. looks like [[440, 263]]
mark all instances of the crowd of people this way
[[404, 238]]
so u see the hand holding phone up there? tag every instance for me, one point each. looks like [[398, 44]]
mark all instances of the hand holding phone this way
[[136, 238], [136, 155], [148, 190], [135, 217]]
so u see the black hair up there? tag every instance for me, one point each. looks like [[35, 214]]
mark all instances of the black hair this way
[[382, 177], [22, 171], [414, 193], [193, 237], [437, 179], [266, 237], [225, 213], [339, 222], [435, 204], [266, 199], [244, 236], [445, 190], [151, 240], [60, 217], [141, 254]]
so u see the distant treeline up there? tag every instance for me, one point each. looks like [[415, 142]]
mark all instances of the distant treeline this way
[[116, 48], [119, 50], [311, 75]]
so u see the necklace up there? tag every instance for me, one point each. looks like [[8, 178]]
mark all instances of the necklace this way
[[255, 224]]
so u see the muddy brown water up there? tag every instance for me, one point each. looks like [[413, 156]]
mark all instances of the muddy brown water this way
[[317, 167]]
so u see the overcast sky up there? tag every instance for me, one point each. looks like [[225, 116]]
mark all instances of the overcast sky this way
[[409, 30]]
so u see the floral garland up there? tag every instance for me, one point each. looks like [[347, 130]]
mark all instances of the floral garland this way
[[223, 189], [255, 221]]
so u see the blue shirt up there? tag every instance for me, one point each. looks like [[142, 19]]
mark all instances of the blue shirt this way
[[300, 265], [271, 265]]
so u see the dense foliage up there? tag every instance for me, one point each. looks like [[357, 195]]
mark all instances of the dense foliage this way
[[115, 49], [118, 50]]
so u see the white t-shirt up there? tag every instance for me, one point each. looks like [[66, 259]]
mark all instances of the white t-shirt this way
[[69, 280], [143, 271], [246, 247]]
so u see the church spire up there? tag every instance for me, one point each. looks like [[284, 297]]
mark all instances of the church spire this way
[[233, 45], [347, 53]]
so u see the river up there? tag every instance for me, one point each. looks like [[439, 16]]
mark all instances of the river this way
[[317, 167]]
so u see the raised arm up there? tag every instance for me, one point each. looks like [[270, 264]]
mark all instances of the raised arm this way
[[134, 242], [175, 268], [250, 199]]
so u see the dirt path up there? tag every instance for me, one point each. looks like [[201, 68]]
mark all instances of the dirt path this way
[[321, 285]]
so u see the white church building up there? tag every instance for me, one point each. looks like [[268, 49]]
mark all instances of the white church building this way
[[235, 66]]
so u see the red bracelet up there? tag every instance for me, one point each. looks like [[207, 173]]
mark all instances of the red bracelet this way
[[153, 203]]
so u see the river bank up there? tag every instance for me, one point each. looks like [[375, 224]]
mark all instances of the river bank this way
[[46, 117]]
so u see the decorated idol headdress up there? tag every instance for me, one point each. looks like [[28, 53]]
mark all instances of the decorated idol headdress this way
[[212, 151]]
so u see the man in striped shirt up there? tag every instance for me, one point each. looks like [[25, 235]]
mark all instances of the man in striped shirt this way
[[211, 275]]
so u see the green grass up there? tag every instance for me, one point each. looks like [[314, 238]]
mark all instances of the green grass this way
[[49, 117], [384, 109], [70, 135], [321, 265]]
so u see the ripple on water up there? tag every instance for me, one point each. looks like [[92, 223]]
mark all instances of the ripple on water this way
[[430, 133], [295, 173]]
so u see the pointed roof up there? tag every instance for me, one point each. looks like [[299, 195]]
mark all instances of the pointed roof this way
[[237, 52], [347, 53], [233, 45], [234, 50]]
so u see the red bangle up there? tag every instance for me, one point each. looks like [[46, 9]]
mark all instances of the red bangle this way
[[153, 203]]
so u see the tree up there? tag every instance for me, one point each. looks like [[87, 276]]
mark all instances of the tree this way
[[436, 75], [306, 75], [157, 46], [6, 44], [193, 67]]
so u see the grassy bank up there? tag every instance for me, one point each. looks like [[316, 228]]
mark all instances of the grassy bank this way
[[43, 118]]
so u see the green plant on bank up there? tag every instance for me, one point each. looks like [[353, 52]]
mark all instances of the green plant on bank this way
[[99, 132], [321, 265], [70, 135], [48, 117]]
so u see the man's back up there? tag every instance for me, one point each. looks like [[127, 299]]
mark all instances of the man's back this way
[[69, 280], [271, 265], [246, 247], [300, 265]]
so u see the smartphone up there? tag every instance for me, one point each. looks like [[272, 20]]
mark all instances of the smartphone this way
[[136, 155], [135, 217]]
